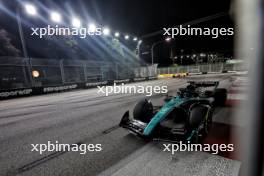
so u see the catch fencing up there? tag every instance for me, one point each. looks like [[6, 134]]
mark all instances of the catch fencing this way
[[203, 68], [25, 76], [17, 73]]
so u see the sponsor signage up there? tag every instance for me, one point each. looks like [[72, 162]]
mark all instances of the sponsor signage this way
[[94, 84], [59, 88], [121, 81], [14, 93], [39, 90]]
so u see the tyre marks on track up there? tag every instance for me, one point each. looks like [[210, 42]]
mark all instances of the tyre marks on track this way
[[42, 160]]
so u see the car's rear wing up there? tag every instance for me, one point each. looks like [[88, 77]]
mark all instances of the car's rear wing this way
[[204, 83]]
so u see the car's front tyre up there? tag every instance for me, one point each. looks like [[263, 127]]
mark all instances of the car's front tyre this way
[[143, 111]]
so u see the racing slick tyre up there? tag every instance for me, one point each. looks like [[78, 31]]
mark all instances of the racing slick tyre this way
[[220, 96], [207, 124], [143, 111], [198, 116], [196, 139]]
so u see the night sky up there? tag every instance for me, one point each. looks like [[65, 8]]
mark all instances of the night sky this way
[[133, 17]]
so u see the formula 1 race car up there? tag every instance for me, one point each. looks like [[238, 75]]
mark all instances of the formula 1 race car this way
[[180, 75], [185, 117], [175, 75]]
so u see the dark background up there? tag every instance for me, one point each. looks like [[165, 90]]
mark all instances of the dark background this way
[[133, 17]]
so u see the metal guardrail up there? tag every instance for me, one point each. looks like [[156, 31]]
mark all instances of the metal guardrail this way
[[204, 68], [59, 75]]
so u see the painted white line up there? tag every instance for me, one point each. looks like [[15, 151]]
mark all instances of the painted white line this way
[[237, 96], [241, 84], [239, 88], [242, 72]]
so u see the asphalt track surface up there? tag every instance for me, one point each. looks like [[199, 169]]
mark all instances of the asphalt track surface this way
[[83, 116]]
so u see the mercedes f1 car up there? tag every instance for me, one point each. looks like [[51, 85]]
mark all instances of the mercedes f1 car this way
[[185, 117]]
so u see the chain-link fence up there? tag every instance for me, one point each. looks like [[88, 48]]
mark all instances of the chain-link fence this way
[[14, 73], [17, 72], [204, 68]]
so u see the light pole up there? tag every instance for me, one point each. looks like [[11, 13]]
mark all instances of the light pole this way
[[76, 22], [155, 44], [55, 17], [126, 37], [106, 31], [117, 34], [181, 59], [138, 48], [21, 33], [92, 27], [31, 10]]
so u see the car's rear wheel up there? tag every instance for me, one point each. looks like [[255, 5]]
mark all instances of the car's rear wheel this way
[[197, 114], [199, 120], [196, 139], [143, 111], [207, 124]]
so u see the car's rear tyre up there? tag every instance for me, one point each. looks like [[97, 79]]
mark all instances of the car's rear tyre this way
[[220, 96], [198, 113], [196, 139], [143, 111], [207, 124]]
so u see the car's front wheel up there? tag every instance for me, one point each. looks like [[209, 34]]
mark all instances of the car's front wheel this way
[[143, 111]]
